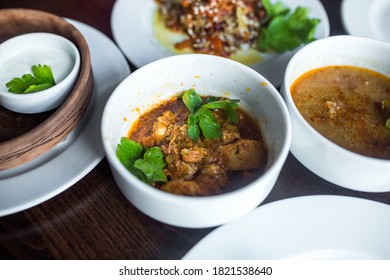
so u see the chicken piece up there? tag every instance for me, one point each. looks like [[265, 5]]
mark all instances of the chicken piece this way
[[214, 177], [230, 133], [180, 169], [193, 155], [244, 154], [159, 130], [184, 187]]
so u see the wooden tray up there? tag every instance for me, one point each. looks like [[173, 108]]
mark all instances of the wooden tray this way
[[24, 137]]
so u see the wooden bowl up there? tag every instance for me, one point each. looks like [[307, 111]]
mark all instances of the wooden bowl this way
[[24, 137]]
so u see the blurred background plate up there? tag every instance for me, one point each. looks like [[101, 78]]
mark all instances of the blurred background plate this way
[[368, 18], [133, 30], [308, 227]]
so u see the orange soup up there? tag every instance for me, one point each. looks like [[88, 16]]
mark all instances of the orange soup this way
[[348, 105]]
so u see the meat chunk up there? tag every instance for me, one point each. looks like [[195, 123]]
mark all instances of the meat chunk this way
[[184, 187], [180, 169], [244, 154], [160, 128], [333, 108], [193, 155]]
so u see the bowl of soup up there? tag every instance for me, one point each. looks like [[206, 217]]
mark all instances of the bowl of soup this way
[[338, 94], [195, 140]]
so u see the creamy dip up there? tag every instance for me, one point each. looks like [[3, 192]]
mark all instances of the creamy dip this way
[[60, 61]]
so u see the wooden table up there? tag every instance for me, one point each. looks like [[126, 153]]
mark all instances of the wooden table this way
[[93, 220]]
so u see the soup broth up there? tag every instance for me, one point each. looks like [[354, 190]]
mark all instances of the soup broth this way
[[344, 104]]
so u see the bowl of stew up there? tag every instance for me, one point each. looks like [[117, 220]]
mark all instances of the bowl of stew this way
[[195, 140], [338, 94]]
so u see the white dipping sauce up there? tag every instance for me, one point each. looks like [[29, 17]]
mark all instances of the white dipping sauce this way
[[60, 61]]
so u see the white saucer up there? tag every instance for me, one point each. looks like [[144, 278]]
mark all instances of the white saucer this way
[[132, 28], [308, 227], [59, 169], [367, 18]]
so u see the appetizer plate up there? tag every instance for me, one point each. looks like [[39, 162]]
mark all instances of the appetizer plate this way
[[132, 24], [308, 227], [56, 171], [368, 18]]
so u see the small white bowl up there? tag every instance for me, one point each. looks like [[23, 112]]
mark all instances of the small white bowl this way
[[209, 75], [323, 157], [20, 53]]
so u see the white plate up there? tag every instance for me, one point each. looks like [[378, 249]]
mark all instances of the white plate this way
[[57, 170], [132, 28], [367, 18], [309, 227]]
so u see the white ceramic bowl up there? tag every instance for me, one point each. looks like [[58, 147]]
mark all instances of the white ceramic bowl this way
[[326, 159], [209, 75], [20, 53]]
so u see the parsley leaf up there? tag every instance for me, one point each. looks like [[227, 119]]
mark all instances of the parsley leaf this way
[[208, 124], [192, 100], [229, 106], [42, 78], [152, 165], [193, 129], [128, 151], [149, 168], [274, 9], [202, 119], [286, 31]]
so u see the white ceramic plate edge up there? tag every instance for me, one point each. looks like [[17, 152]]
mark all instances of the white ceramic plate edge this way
[[307, 227]]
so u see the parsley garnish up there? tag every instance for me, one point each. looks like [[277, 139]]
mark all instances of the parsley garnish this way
[[148, 167], [284, 30], [152, 165], [41, 79], [202, 119]]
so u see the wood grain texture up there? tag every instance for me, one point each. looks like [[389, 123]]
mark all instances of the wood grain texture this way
[[43, 137], [93, 220]]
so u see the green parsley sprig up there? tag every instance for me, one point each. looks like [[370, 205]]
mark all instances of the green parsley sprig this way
[[202, 119], [283, 30], [147, 166], [42, 78]]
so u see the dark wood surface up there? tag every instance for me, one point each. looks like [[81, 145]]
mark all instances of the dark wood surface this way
[[93, 220]]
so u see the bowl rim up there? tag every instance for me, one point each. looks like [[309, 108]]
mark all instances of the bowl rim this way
[[51, 90], [294, 110], [272, 171], [34, 143]]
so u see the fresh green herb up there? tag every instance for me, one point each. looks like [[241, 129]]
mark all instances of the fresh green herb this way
[[229, 106], [152, 165], [208, 124], [42, 78], [202, 119], [148, 167], [284, 30], [192, 100], [386, 110]]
